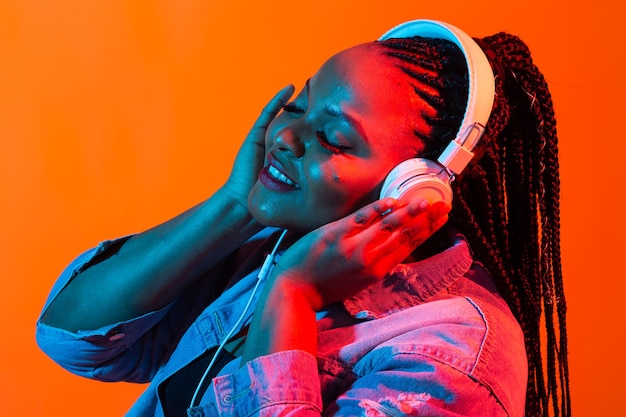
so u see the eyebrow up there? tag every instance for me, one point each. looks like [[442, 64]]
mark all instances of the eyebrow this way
[[335, 111]]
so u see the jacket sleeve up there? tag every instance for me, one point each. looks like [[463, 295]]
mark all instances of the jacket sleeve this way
[[283, 383], [127, 351], [404, 384], [134, 350]]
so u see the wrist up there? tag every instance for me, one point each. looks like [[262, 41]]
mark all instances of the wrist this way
[[291, 291], [236, 208], [283, 320]]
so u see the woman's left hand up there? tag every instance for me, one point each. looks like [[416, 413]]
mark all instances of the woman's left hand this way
[[339, 259], [332, 263]]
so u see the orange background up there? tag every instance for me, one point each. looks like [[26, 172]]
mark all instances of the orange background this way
[[116, 115]]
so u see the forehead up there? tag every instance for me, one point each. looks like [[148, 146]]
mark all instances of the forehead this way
[[365, 72], [368, 84]]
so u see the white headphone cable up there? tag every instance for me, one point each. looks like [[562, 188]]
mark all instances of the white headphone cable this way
[[265, 270]]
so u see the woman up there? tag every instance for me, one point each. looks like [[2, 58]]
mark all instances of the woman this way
[[365, 305]]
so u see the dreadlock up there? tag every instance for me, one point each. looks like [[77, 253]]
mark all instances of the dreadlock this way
[[507, 199]]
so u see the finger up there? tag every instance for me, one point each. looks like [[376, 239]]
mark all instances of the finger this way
[[388, 239], [439, 209], [417, 232], [373, 211], [421, 211], [409, 225], [378, 233], [426, 220], [435, 209], [271, 109], [400, 215]]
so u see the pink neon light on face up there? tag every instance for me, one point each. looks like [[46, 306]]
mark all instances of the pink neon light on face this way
[[329, 150]]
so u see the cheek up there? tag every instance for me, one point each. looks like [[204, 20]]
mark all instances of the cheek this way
[[346, 187], [327, 178]]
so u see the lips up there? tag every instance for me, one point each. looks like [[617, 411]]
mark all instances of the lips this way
[[273, 176]]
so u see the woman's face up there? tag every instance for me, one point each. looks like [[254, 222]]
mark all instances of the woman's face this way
[[330, 149]]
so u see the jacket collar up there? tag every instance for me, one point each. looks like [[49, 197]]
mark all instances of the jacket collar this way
[[411, 284]]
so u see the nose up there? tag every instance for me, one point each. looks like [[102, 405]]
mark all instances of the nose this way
[[288, 140]]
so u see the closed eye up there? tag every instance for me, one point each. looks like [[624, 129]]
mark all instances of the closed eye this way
[[292, 108], [331, 146]]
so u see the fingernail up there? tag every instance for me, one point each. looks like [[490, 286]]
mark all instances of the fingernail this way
[[388, 205], [424, 204]]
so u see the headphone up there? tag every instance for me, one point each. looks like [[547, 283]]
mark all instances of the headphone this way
[[420, 178]]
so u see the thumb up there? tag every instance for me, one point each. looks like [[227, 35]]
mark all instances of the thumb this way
[[271, 109]]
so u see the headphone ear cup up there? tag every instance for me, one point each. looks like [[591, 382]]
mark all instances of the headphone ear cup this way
[[417, 179]]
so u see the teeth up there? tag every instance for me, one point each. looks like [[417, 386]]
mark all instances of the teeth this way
[[279, 176]]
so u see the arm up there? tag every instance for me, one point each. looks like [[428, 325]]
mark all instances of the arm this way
[[152, 268], [279, 373]]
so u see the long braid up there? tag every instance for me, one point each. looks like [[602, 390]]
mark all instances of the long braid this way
[[532, 132], [507, 199], [553, 279]]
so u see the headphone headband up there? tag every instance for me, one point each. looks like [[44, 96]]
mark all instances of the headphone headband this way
[[481, 83]]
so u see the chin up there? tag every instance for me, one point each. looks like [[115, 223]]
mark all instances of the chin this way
[[274, 214], [271, 219], [267, 216], [269, 213]]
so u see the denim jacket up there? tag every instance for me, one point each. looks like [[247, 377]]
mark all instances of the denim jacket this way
[[434, 338]]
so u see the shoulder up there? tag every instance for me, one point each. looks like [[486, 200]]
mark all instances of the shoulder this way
[[450, 330], [459, 344]]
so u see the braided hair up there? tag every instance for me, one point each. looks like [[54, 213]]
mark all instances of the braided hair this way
[[507, 199]]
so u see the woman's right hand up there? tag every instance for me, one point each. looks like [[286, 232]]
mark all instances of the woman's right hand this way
[[152, 268], [251, 155]]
